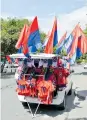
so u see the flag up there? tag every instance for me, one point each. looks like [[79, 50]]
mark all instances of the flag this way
[[62, 39], [61, 43], [20, 50], [46, 39], [24, 46], [71, 45], [8, 59], [12, 60], [84, 40], [16, 60], [55, 39], [29, 38], [79, 45], [70, 40], [32, 49], [26, 50], [82, 44], [72, 59], [34, 40], [20, 45], [52, 40], [21, 37], [68, 43]]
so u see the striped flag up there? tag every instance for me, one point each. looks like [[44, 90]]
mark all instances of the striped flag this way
[[61, 43], [52, 40]]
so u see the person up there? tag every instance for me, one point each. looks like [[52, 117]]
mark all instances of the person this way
[[59, 61], [25, 67], [62, 75]]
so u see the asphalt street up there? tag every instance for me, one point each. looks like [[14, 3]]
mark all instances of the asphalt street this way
[[76, 107]]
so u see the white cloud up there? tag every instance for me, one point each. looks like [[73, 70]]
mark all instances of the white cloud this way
[[7, 15], [66, 22], [69, 21], [4, 15]]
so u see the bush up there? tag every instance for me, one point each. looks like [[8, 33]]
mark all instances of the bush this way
[[63, 52], [79, 60]]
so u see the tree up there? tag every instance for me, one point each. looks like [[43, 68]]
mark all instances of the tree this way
[[43, 37], [63, 52], [10, 30]]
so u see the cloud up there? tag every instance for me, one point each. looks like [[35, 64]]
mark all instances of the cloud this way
[[69, 21], [4, 15], [66, 22]]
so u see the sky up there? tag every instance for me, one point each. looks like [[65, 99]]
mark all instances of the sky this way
[[68, 12]]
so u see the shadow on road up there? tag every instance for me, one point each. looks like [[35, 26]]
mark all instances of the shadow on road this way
[[82, 73], [52, 111], [7, 75], [82, 94]]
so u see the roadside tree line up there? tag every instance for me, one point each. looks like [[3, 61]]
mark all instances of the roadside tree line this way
[[10, 30]]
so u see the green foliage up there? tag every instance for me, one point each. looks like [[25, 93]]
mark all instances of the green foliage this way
[[78, 60], [81, 60], [40, 50], [10, 30], [54, 49], [84, 56], [43, 36], [63, 52]]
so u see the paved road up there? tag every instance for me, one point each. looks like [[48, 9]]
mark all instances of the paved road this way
[[76, 108]]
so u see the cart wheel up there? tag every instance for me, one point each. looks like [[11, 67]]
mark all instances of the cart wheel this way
[[25, 105], [70, 91], [62, 106]]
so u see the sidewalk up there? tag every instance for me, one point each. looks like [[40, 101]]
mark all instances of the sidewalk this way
[[10, 73], [80, 86]]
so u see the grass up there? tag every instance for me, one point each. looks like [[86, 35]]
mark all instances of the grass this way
[[81, 60]]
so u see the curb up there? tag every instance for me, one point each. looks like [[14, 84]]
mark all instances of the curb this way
[[79, 95], [85, 118], [7, 74]]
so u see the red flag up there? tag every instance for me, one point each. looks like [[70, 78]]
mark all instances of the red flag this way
[[75, 34], [16, 60], [49, 46], [33, 27], [80, 41], [8, 59], [21, 37], [32, 37], [24, 42], [21, 41]]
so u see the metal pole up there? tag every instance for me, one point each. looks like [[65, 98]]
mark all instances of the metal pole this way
[[30, 109], [37, 109]]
